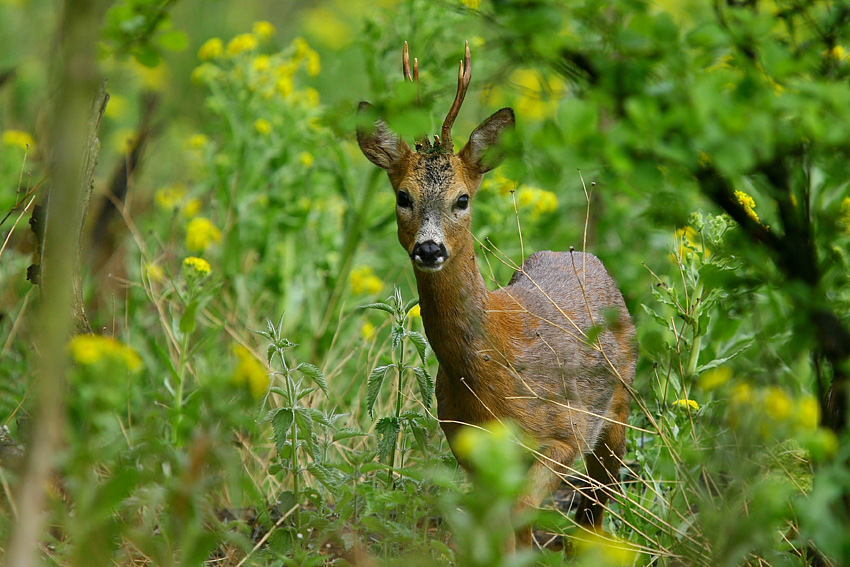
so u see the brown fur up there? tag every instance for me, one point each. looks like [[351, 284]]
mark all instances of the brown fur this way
[[519, 352]]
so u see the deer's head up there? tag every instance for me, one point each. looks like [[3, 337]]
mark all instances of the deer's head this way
[[434, 187]]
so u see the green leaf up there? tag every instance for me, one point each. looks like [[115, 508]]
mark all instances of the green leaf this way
[[397, 335], [373, 388], [147, 55], [304, 421], [319, 417], [426, 385], [414, 421], [281, 423], [174, 40], [410, 305], [419, 342], [372, 467], [315, 374], [388, 429], [187, 320], [718, 361], [332, 479], [379, 306], [348, 433]]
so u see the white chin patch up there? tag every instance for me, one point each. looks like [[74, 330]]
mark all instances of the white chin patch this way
[[435, 267]]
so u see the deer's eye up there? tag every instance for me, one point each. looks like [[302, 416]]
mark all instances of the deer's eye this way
[[462, 202], [402, 199]]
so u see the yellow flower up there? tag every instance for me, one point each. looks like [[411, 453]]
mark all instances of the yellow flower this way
[[198, 141], [264, 30], [538, 95], [117, 107], [198, 266], [689, 241], [205, 73], [837, 52], [152, 78], [124, 140], [602, 549], [742, 394], [307, 159], [777, 404], [250, 372], [242, 43], [314, 63], [808, 413], [844, 219], [92, 349], [211, 49], [546, 203], [155, 272], [200, 233], [468, 439], [262, 63], [540, 201], [313, 97], [18, 138], [192, 208], [415, 311], [263, 126], [169, 198], [364, 280], [301, 47], [501, 183], [327, 25], [714, 378], [474, 4], [748, 203], [686, 404], [367, 330], [285, 86]]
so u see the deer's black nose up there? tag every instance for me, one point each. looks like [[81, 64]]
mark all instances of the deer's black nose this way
[[429, 254]]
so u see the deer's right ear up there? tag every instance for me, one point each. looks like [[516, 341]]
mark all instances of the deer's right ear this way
[[482, 152], [381, 145]]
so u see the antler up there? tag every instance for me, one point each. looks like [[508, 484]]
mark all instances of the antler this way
[[405, 61], [464, 76], [422, 141]]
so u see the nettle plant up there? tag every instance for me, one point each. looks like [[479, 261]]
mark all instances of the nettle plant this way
[[391, 428]]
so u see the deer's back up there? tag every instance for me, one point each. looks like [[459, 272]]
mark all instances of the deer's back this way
[[570, 340]]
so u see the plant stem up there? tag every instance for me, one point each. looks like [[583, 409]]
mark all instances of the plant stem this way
[[178, 395], [693, 359], [293, 439], [398, 401]]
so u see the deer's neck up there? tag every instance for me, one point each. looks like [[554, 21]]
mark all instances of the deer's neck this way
[[454, 304]]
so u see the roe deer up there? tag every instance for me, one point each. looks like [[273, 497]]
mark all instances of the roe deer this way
[[523, 352]]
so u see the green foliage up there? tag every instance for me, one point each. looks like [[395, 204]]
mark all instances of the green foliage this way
[[143, 29], [390, 427], [714, 140]]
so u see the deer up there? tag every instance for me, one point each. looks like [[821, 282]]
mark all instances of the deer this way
[[553, 351]]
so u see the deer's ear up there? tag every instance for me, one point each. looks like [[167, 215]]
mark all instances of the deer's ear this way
[[379, 144], [481, 153]]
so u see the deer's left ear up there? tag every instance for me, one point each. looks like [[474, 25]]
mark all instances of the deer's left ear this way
[[481, 153], [379, 143]]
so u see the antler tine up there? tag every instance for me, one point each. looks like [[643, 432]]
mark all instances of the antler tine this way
[[405, 63], [422, 141], [464, 77]]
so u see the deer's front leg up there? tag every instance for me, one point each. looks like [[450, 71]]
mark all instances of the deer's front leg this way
[[544, 476]]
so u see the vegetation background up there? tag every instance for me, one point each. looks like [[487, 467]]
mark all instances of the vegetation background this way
[[224, 400]]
